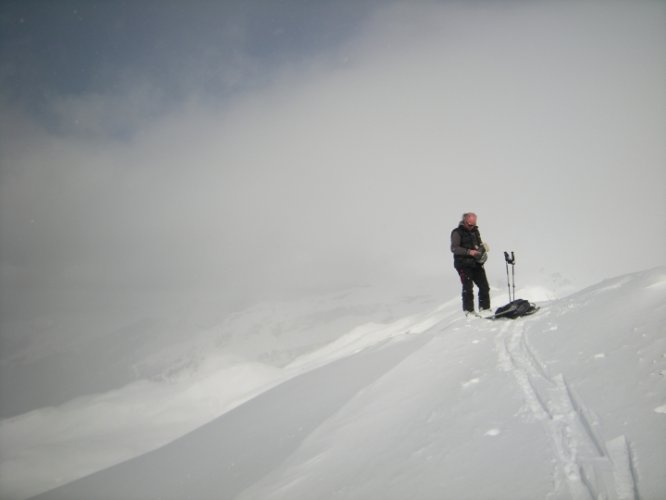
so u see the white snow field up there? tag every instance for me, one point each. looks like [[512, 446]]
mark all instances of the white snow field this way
[[567, 404]]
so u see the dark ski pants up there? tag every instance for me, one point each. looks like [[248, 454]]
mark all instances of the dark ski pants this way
[[468, 277]]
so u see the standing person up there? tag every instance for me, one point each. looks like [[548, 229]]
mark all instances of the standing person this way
[[469, 254]]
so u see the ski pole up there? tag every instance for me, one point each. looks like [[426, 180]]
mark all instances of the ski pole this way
[[508, 280], [513, 275], [510, 260]]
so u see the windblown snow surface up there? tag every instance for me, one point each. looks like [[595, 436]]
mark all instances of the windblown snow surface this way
[[315, 400]]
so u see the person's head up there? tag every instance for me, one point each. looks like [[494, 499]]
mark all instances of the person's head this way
[[469, 220]]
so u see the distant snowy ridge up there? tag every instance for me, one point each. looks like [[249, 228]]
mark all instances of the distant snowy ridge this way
[[564, 404]]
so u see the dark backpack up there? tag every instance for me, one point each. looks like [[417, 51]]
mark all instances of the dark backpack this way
[[516, 309]]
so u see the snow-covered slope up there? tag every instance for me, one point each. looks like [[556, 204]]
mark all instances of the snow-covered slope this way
[[142, 385], [569, 403]]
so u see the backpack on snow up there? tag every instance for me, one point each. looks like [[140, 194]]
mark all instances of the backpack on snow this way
[[515, 309]]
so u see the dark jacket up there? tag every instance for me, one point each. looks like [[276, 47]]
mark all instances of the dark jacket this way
[[462, 241]]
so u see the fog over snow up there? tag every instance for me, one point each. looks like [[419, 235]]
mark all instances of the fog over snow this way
[[202, 202]]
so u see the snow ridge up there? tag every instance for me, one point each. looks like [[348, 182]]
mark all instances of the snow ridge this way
[[592, 469], [566, 404]]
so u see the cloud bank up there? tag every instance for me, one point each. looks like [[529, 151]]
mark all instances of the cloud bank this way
[[352, 164]]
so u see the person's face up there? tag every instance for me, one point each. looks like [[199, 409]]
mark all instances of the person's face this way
[[470, 221]]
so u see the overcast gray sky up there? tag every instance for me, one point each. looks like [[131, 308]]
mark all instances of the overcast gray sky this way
[[256, 147]]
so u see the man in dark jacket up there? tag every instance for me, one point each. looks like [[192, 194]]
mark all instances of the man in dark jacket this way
[[469, 254]]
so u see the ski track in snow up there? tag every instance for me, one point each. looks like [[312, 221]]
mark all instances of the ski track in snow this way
[[588, 465]]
